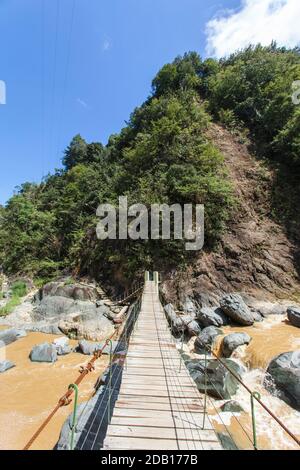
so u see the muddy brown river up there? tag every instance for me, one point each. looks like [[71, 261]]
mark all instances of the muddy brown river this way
[[29, 392]]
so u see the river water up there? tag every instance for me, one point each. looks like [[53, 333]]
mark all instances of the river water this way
[[270, 338], [29, 392]]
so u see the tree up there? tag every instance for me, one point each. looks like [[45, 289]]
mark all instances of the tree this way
[[76, 152]]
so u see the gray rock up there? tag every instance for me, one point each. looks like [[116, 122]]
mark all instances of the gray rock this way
[[20, 333], [189, 307], [233, 341], [84, 411], [44, 327], [170, 312], [208, 316], [88, 348], [62, 346], [6, 365], [271, 309], [44, 353], [190, 325], [257, 317], [234, 306], [293, 314], [73, 291], [8, 336], [206, 339], [283, 378], [227, 442], [232, 406], [175, 321], [220, 382]]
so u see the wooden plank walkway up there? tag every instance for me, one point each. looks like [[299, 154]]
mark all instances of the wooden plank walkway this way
[[159, 406]]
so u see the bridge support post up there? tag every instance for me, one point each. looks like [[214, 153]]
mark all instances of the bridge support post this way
[[147, 276]]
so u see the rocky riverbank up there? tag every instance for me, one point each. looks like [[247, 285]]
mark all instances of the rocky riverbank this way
[[258, 341], [76, 309]]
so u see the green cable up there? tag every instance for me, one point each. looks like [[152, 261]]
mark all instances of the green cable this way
[[74, 419], [253, 396]]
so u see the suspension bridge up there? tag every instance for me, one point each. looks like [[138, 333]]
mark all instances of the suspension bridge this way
[[159, 406], [147, 399]]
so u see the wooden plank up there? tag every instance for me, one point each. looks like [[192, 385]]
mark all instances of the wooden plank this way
[[182, 422], [159, 433], [121, 404]]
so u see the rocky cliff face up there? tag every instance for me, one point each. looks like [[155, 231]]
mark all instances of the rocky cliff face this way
[[255, 255]]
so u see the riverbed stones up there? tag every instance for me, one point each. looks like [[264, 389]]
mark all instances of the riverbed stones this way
[[234, 307], [88, 348], [8, 336], [233, 341], [6, 365], [215, 378], [293, 314], [232, 406], [205, 340], [283, 378], [62, 346], [191, 326], [43, 353], [69, 290], [208, 316]]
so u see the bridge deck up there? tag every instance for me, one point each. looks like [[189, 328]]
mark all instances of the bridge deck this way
[[158, 407]]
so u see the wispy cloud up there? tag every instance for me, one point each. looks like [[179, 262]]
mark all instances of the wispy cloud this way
[[106, 44], [82, 103], [255, 21]]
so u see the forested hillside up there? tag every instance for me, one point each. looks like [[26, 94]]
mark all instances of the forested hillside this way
[[167, 153]]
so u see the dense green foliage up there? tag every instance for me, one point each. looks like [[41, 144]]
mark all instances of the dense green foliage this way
[[161, 156], [255, 87]]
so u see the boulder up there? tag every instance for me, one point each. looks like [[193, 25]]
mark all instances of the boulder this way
[[293, 314], [190, 325], [220, 383], [189, 307], [233, 341], [6, 365], [8, 336], [236, 309], [208, 316], [74, 291], [44, 327], [88, 347], [87, 327], [283, 378], [20, 333], [170, 313], [205, 340], [43, 353], [227, 442], [232, 406], [62, 346], [257, 316], [175, 321]]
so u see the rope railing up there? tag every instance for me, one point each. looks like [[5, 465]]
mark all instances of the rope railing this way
[[65, 400], [254, 396]]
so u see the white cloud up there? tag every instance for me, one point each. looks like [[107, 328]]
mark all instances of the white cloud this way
[[82, 103], [256, 21], [106, 45]]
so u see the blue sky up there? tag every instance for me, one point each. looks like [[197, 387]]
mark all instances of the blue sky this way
[[85, 76]]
